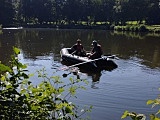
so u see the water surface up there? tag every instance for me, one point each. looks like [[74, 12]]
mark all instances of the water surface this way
[[127, 87]]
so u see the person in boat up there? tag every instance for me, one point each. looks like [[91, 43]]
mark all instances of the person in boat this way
[[78, 49], [96, 52]]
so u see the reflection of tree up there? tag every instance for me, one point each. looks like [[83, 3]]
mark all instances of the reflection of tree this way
[[44, 42], [7, 42], [145, 47], [37, 42]]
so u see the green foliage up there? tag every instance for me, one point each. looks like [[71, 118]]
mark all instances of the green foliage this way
[[133, 115], [7, 12], [133, 28], [20, 99], [72, 12], [136, 116]]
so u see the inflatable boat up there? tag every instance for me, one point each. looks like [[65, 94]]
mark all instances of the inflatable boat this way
[[105, 62]]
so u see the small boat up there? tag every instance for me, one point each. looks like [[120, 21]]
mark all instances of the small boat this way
[[104, 62]]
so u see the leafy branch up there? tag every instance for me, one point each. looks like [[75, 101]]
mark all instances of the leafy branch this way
[[20, 99]]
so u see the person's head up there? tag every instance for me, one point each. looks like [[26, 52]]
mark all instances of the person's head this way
[[78, 41], [94, 43]]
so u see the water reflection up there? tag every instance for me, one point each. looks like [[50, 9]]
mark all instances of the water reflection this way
[[95, 79], [48, 42], [95, 73], [78, 73], [128, 87]]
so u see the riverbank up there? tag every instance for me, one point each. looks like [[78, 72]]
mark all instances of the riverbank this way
[[97, 25], [139, 28]]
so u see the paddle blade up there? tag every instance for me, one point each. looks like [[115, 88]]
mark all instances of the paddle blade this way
[[65, 75]]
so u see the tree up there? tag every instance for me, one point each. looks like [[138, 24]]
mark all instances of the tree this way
[[153, 16], [7, 13], [105, 11], [72, 11], [134, 10]]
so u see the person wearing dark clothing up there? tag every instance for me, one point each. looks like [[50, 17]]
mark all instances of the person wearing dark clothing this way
[[78, 49], [96, 52]]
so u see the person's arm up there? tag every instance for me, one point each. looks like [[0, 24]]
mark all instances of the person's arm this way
[[83, 50], [92, 51], [73, 48], [101, 51]]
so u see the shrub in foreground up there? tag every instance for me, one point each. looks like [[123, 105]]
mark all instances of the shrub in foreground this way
[[153, 116], [20, 99]]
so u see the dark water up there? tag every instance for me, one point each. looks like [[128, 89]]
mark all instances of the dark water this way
[[127, 87]]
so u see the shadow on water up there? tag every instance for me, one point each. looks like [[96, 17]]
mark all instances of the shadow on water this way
[[95, 73]]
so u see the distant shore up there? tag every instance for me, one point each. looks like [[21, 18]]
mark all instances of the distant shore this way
[[129, 28]]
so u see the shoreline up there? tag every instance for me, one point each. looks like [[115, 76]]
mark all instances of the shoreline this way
[[118, 28]]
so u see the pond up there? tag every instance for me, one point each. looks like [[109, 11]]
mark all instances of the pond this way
[[127, 87]]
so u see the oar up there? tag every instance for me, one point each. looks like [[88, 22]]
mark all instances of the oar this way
[[80, 64], [89, 62], [73, 70]]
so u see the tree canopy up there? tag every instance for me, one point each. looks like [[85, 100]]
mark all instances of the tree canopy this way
[[20, 12]]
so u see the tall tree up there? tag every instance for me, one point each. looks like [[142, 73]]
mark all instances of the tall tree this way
[[134, 10], [43, 10], [72, 10], [26, 10], [105, 12], [153, 16], [117, 11], [7, 13]]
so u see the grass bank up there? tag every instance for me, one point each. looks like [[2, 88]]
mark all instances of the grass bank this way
[[138, 28]]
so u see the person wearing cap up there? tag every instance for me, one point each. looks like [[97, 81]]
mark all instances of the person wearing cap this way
[[78, 49], [96, 52]]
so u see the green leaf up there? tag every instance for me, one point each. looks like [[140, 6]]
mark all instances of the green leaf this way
[[156, 118], [68, 109], [61, 90], [3, 78], [9, 86], [72, 90], [16, 50], [35, 107], [150, 102], [4, 68], [71, 79], [23, 66], [25, 75], [83, 88], [125, 114], [23, 91], [152, 117]]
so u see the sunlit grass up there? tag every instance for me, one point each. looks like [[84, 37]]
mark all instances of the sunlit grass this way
[[154, 28], [132, 23]]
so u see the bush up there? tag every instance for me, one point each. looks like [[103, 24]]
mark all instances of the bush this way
[[118, 28], [135, 116], [20, 99], [127, 28]]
